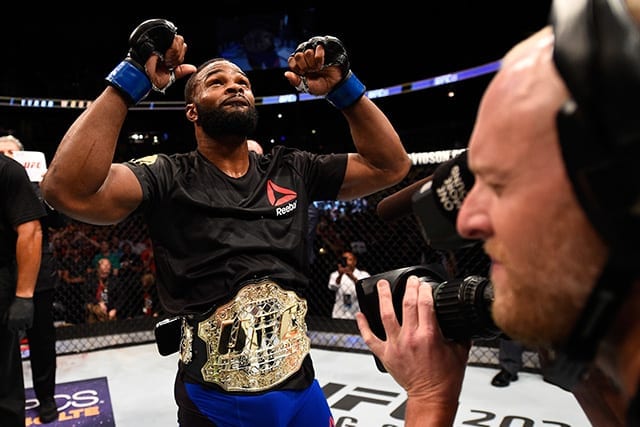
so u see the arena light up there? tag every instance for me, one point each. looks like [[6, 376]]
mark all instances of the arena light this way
[[147, 137], [270, 100]]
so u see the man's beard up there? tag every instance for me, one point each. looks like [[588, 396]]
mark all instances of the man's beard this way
[[216, 122]]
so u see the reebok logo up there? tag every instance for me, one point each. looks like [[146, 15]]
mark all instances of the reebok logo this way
[[277, 195], [282, 198], [286, 208]]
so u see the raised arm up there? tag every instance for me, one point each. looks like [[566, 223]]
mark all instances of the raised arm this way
[[321, 67], [381, 160], [81, 181]]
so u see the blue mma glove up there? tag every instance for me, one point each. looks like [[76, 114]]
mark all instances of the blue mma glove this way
[[20, 316], [153, 36], [350, 89]]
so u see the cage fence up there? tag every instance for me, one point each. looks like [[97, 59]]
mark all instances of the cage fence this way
[[355, 226]]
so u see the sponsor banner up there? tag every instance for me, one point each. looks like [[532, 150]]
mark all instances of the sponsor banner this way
[[34, 162], [80, 403]]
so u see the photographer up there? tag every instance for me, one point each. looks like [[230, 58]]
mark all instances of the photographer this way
[[554, 152], [343, 282]]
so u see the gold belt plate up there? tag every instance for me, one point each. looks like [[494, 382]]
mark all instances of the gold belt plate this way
[[257, 340]]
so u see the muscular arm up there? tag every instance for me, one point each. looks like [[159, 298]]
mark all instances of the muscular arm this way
[[28, 256], [381, 160], [81, 181]]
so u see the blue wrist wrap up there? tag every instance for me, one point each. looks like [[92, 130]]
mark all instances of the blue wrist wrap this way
[[347, 92], [130, 80]]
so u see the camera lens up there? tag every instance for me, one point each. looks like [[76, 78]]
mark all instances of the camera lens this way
[[462, 306], [463, 309]]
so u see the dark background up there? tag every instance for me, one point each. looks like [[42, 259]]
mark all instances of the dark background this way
[[65, 53]]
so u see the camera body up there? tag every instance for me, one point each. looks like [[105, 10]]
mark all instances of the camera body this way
[[168, 333], [343, 261], [463, 306]]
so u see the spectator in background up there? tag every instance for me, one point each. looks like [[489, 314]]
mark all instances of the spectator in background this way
[[105, 293], [73, 289], [130, 275], [42, 334], [88, 243], [20, 257], [150, 302], [106, 251], [343, 282], [147, 257], [116, 246]]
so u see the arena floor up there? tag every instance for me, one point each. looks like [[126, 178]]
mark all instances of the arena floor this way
[[132, 387]]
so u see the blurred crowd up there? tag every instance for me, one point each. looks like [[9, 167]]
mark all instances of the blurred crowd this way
[[103, 273]]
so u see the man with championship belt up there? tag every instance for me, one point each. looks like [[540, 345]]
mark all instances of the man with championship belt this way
[[228, 226]]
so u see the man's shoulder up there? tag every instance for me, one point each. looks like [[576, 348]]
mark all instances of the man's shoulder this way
[[164, 166], [296, 158], [282, 151], [11, 167], [159, 158]]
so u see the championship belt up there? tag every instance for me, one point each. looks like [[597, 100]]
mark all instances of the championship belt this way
[[254, 342]]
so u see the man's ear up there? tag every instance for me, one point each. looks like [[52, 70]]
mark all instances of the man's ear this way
[[191, 112]]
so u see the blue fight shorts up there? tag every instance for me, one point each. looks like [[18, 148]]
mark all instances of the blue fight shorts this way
[[199, 406]]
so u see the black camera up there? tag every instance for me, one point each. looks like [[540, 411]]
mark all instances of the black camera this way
[[463, 306], [168, 333], [343, 261]]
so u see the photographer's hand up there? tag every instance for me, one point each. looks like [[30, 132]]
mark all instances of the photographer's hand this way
[[429, 367], [346, 271]]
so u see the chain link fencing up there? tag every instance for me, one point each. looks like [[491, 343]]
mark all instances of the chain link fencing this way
[[355, 226]]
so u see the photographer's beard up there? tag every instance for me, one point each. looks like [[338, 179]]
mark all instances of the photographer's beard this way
[[217, 122], [538, 298]]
